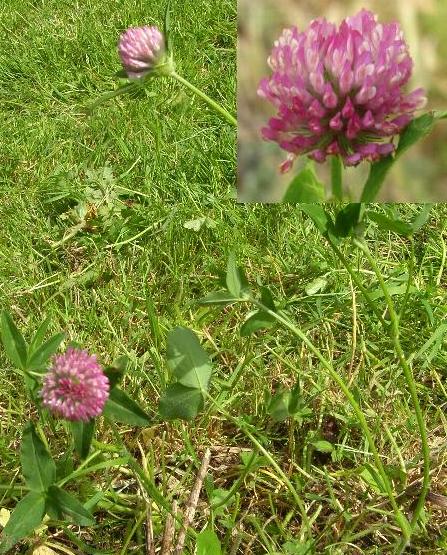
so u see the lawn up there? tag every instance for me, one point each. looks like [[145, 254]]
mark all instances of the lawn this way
[[124, 301], [60, 57], [114, 226]]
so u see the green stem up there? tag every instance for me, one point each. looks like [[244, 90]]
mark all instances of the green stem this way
[[410, 279], [336, 178], [271, 460], [117, 92], [214, 105], [237, 483], [394, 332], [138, 522], [357, 281], [151, 489], [400, 517]]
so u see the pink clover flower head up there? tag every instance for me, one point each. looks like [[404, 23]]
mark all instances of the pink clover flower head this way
[[141, 49], [75, 387], [340, 90]]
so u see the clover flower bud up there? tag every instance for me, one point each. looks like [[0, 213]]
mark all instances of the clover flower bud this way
[[141, 50]]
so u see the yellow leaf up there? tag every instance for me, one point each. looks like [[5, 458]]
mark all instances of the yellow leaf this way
[[44, 550], [4, 516]]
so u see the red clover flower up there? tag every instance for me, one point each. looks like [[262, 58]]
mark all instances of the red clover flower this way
[[141, 50], [339, 91], [75, 387]]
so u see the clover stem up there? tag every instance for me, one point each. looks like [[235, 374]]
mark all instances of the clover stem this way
[[336, 178], [400, 517], [411, 382], [214, 105], [356, 280]]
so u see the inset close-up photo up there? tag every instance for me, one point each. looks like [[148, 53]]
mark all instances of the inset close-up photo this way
[[332, 95]]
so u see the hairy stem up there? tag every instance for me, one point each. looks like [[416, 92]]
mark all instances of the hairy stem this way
[[336, 178], [214, 105], [394, 333], [356, 279], [400, 517]]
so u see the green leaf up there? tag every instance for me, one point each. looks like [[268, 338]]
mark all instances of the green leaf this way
[[287, 403], [417, 129], [129, 87], [62, 505], [390, 224], [393, 223], [192, 367], [267, 298], [37, 339], [167, 27], [392, 290], [233, 279], [305, 187], [278, 407], [299, 547], [189, 362], [347, 219], [322, 446], [257, 321], [208, 543], [82, 436], [116, 371], [220, 298], [377, 174], [121, 408], [295, 398], [370, 475], [13, 341], [315, 286], [181, 402], [195, 225], [27, 515], [422, 218], [435, 339], [38, 359], [38, 467], [319, 216]]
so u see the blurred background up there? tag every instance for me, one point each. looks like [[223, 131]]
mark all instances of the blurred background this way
[[420, 175]]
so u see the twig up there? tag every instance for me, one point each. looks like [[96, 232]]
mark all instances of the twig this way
[[169, 531], [191, 505], [237, 539], [150, 548]]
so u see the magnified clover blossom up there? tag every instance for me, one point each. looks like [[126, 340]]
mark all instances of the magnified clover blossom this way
[[339, 91], [75, 387], [141, 49]]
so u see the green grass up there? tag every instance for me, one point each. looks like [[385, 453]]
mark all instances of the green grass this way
[[141, 290], [60, 57]]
